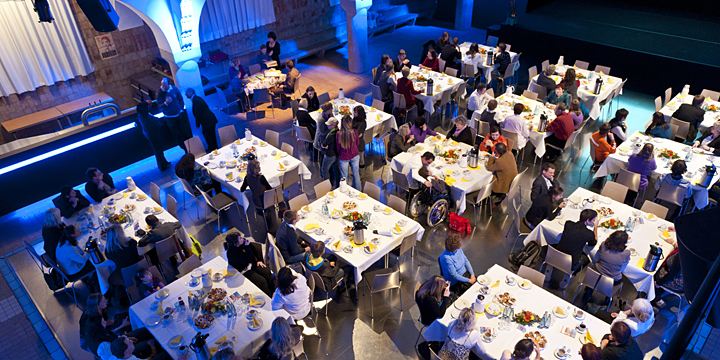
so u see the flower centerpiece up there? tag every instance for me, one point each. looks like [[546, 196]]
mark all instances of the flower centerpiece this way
[[668, 154], [712, 108], [579, 76], [526, 318], [421, 78], [353, 216], [525, 107], [451, 154], [612, 224], [118, 218], [345, 110], [483, 51]]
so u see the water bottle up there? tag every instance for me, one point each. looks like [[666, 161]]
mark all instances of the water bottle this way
[[598, 85], [341, 94], [628, 227], [325, 210], [561, 61], [248, 134], [430, 87], [686, 90], [689, 156]]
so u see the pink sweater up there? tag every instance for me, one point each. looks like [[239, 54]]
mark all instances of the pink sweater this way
[[348, 154]]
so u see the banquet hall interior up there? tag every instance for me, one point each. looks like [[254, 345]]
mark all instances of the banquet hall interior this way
[[86, 89]]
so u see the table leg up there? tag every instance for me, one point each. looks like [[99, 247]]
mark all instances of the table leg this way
[[60, 124]]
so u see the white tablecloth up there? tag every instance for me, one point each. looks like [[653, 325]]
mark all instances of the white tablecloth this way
[[105, 268], [378, 121], [710, 116], [482, 65], [534, 299], [615, 162], [358, 258], [268, 164], [247, 341], [260, 81], [549, 232], [588, 98], [460, 186], [442, 83], [505, 109]]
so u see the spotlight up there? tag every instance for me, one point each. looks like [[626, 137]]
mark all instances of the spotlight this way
[[43, 9]]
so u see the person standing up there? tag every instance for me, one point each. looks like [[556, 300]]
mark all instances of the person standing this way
[[273, 48], [330, 158], [348, 154], [205, 117], [172, 105], [387, 84], [100, 185], [450, 53], [359, 123], [152, 129]]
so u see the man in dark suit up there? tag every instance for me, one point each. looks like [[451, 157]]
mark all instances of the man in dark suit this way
[[153, 130], [576, 236], [544, 181], [692, 114], [545, 80], [401, 61], [304, 118], [205, 117], [100, 185], [70, 201], [451, 53], [293, 250], [158, 232]]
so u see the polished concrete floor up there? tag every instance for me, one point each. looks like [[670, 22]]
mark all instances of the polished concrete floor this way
[[348, 332]]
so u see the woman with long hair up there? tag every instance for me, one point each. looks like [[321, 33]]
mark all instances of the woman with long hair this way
[[257, 183], [123, 252], [571, 83], [71, 259], [52, 231], [195, 174], [462, 338], [433, 298], [472, 57], [291, 294], [659, 127], [613, 256], [241, 255], [97, 306], [348, 154], [431, 61], [643, 163], [359, 123], [283, 337], [576, 113], [523, 350]]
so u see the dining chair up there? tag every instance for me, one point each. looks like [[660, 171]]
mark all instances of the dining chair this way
[[477, 197], [298, 202], [274, 257], [532, 73], [397, 204], [166, 249], [361, 98], [519, 225], [289, 178], [683, 128], [590, 280], [224, 104], [658, 103], [512, 138], [491, 92], [400, 180], [387, 160], [467, 70], [195, 146], [668, 95], [491, 41], [378, 104], [593, 167], [615, 191], [302, 134], [409, 242], [674, 130], [531, 274], [189, 265], [441, 65], [398, 104], [433, 355], [542, 92], [171, 205], [451, 71], [569, 143], [219, 202], [376, 92], [530, 94], [263, 96], [509, 73], [320, 285], [254, 69], [655, 209], [484, 128], [714, 95], [297, 92], [545, 64], [273, 138], [187, 189], [303, 322], [228, 134], [289, 149], [556, 259], [45, 259], [323, 188], [323, 98], [270, 199], [631, 180], [294, 106], [605, 287], [604, 69], [129, 273], [155, 193], [372, 190], [673, 194], [382, 280], [581, 64]]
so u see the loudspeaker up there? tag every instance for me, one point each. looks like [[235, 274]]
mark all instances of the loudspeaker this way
[[101, 14]]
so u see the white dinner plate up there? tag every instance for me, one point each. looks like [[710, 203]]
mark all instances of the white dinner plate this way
[[152, 320], [175, 346], [162, 294], [525, 284], [557, 314], [212, 166], [461, 304]]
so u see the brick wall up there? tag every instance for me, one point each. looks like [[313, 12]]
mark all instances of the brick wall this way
[[136, 48]]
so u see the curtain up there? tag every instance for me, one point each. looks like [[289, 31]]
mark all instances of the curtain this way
[[34, 54], [221, 18]]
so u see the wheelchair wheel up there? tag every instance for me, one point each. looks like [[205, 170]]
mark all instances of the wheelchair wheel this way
[[437, 212], [415, 207]]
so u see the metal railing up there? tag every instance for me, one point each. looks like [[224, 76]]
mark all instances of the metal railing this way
[[96, 109]]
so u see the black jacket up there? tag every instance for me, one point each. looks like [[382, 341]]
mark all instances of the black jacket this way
[[331, 143], [465, 136], [450, 53], [360, 126], [203, 115], [430, 310], [689, 113], [715, 143], [542, 208], [489, 117], [66, 208], [539, 186], [122, 258], [398, 145], [313, 104], [547, 82], [51, 236], [159, 232], [258, 185], [241, 256], [398, 65], [96, 193], [630, 351], [574, 238], [288, 242], [304, 119]]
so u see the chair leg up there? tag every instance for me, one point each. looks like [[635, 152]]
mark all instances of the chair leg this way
[[327, 304], [372, 310], [400, 295]]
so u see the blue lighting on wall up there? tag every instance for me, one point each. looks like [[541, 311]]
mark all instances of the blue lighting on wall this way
[[66, 148]]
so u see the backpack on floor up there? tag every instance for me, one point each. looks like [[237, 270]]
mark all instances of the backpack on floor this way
[[458, 223], [528, 256]]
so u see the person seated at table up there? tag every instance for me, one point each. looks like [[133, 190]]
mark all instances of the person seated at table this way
[[237, 75], [545, 79], [561, 128], [460, 131], [327, 266], [659, 128], [402, 141], [693, 114], [455, 266], [292, 248], [543, 207], [557, 96], [236, 70], [502, 59], [262, 57], [313, 103], [619, 344], [330, 158], [248, 260], [576, 236], [442, 41], [149, 283], [224, 354], [304, 119], [420, 130], [123, 252], [479, 100], [489, 115], [359, 124], [544, 181], [618, 127], [571, 84], [401, 61], [451, 54], [97, 306], [70, 201], [433, 298], [283, 339], [668, 275], [676, 178], [196, 175], [463, 337], [522, 351], [257, 183], [72, 260], [100, 185], [590, 351], [576, 113], [639, 318], [603, 143], [412, 168], [288, 86], [504, 170], [406, 88], [158, 231], [52, 231], [710, 140], [292, 294], [384, 60], [515, 123], [431, 61], [472, 57], [613, 256], [97, 332], [643, 163], [386, 82], [128, 347]]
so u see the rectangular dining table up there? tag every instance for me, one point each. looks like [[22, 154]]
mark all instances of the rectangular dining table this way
[[531, 298], [482, 64], [378, 121], [585, 90], [648, 233], [711, 116], [247, 342], [269, 157], [442, 83], [700, 158]]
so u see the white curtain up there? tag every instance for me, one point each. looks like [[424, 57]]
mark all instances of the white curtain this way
[[226, 17], [34, 54]]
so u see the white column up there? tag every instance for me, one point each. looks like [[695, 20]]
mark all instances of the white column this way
[[463, 14], [356, 12]]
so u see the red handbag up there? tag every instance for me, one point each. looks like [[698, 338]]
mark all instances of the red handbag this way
[[458, 223]]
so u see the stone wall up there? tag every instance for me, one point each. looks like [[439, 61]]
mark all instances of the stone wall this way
[[136, 48]]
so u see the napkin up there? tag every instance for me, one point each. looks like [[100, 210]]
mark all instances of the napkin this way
[[221, 340], [312, 226], [450, 180], [587, 334], [454, 142], [277, 156], [601, 73], [640, 263], [281, 166], [378, 117], [227, 273], [448, 172], [665, 234], [496, 284], [254, 302], [178, 339], [159, 310], [213, 350], [463, 180]]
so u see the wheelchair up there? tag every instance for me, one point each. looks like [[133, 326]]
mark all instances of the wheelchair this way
[[435, 201]]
